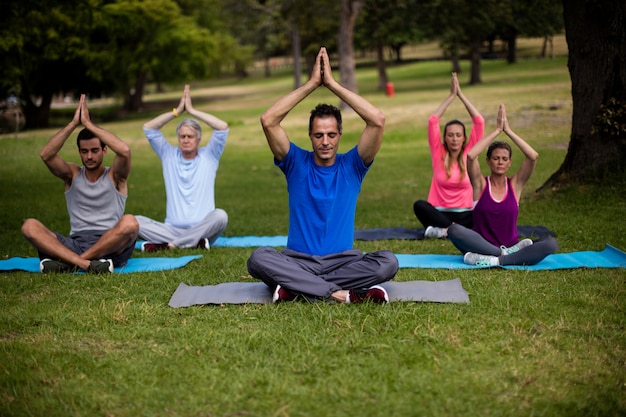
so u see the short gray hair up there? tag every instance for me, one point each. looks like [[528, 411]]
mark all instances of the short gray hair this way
[[192, 123]]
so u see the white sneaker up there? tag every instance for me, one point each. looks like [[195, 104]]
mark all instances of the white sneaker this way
[[515, 248], [477, 259], [432, 232]]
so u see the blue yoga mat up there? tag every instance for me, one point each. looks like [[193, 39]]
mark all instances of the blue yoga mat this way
[[383, 233], [610, 257], [133, 265]]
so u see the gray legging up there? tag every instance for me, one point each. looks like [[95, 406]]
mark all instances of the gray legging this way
[[467, 240]]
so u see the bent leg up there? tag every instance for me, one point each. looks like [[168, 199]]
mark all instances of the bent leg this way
[[156, 232], [49, 246], [467, 240], [428, 215], [211, 227], [533, 254], [117, 242], [360, 270]]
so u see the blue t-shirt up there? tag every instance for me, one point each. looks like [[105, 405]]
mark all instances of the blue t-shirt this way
[[322, 200], [189, 183]]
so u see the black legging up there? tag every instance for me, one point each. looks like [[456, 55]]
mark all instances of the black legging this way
[[467, 240], [428, 215]]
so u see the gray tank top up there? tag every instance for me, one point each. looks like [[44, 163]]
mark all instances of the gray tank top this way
[[94, 205]]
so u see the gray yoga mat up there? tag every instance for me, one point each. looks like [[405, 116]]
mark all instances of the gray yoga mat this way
[[450, 291]]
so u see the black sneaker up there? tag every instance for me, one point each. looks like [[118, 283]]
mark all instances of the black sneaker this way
[[204, 244], [153, 247], [48, 266], [101, 266], [375, 294]]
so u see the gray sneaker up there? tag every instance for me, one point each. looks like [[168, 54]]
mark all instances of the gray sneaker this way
[[432, 232], [101, 266], [48, 266], [477, 259], [515, 248]]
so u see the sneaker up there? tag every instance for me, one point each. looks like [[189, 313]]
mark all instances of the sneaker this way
[[432, 232], [48, 265], [515, 248], [375, 294], [204, 244], [477, 259], [101, 266], [281, 294], [153, 247]]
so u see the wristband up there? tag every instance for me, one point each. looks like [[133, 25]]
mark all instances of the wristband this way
[[175, 112]]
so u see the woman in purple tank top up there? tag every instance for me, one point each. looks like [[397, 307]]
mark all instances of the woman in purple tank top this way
[[493, 240]]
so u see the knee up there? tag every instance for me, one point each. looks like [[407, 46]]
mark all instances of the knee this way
[[29, 226], [258, 257], [420, 205], [551, 245], [453, 230], [129, 225], [222, 216], [389, 264]]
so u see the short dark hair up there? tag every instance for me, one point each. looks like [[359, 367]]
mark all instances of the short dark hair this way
[[87, 134], [325, 110], [498, 144]]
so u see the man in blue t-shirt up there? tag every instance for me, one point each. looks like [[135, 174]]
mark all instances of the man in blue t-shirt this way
[[319, 261], [189, 171]]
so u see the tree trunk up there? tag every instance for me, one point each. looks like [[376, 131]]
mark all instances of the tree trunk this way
[[134, 101], [511, 55], [596, 38], [37, 116], [347, 68], [475, 65], [297, 55], [381, 67]]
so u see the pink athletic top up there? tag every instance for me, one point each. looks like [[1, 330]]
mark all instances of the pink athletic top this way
[[496, 221], [454, 192]]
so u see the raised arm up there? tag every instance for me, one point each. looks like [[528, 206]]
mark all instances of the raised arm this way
[[372, 136], [162, 119], [473, 165], [209, 119], [50, 152], [271, 119], [120, 169], [473, 112], [454, 83], [528, 164]]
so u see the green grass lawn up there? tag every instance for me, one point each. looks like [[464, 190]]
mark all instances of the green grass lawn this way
[[545, 343]]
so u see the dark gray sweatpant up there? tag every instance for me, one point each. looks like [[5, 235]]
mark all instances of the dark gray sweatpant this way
[[320, 276]]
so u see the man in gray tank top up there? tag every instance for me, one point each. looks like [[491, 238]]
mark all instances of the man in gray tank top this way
[[101, 235]]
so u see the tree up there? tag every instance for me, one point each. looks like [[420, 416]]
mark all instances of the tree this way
[[595, 31], [347, 66]]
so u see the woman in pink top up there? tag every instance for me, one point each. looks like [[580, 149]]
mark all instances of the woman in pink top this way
[[450, 195], [493, 239]]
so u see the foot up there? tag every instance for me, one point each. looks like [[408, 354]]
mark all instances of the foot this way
[[281, 294], [153, 247], [432, 232], [101, 266], [48, 266], [375, 294], [477, 259], [515, 248]]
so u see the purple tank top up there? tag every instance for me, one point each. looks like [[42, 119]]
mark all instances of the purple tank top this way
[[497, 221]]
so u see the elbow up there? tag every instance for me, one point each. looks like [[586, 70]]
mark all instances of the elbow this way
[[378, 120]]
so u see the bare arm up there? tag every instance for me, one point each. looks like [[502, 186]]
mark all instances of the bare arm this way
[[162, 119], [372, 136], [50, 152], [209, 119], [271, 119], [120, 169], [473, 112], [473, 165], [439, 111], [528, 164]]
